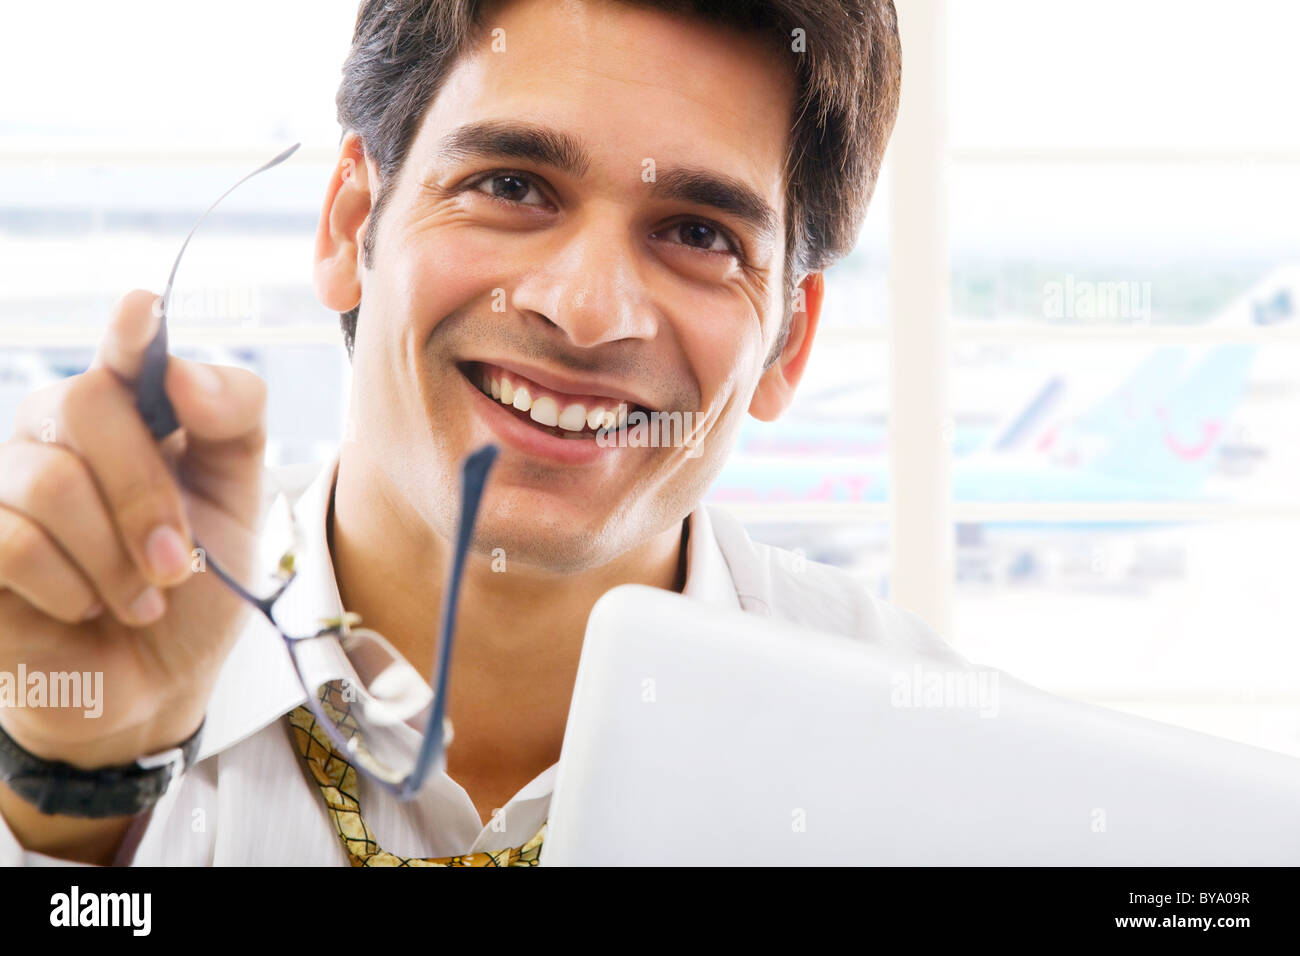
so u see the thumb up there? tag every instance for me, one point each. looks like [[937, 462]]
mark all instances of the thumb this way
[[131, 328]]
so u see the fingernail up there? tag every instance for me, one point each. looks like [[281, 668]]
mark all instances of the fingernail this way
[[94, 611], [165, 552], [148, 607]]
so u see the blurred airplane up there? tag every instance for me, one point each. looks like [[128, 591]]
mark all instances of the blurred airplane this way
[[1156, 435]]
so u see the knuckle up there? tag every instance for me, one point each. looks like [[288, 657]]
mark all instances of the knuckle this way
[[140, 496], [89, 389], [59, 479], [40, 403], [22, 544], [87, 399], [142, 503]]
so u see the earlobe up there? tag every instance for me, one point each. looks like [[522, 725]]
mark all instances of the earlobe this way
[[777, 385], [341, 229]]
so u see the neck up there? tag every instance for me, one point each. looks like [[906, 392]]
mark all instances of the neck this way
[[518, 634]]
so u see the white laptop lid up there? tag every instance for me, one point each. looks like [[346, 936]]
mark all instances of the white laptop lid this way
[[699, 736]]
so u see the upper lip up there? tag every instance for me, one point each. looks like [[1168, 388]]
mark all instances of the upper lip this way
[[558, 382]]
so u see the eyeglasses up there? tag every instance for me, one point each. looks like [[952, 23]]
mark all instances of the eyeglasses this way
[[369, 699]]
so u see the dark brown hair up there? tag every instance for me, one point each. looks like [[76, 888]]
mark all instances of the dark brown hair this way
[[847, 71]]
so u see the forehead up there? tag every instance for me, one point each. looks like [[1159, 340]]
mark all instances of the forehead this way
[[632, 83]]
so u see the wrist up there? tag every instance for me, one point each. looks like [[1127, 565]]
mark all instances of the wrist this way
[[77, 745], [67, 838], [56, 787]]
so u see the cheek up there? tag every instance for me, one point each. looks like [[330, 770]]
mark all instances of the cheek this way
[[726, 358], [436, 276], [719, 333]]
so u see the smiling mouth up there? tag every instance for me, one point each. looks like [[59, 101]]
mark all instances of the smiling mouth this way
[[576, 418]]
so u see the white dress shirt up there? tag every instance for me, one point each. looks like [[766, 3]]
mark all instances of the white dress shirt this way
[[247, 800]]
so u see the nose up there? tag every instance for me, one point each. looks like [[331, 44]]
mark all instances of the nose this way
[[590, 286]]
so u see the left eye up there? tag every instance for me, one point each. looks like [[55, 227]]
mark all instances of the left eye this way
[[510, 187], [699, 235]]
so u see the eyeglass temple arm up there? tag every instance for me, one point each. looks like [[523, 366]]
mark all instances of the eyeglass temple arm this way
[[473, 479], [262, 604], [150, 397]]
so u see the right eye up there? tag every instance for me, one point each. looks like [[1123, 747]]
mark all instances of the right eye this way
[[509, 187]]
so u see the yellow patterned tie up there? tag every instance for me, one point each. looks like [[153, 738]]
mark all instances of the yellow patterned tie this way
[[337, 780]]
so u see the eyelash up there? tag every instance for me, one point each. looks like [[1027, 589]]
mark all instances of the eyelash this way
[[736, 250]]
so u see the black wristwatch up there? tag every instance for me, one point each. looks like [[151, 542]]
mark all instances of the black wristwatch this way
[[123, 791]]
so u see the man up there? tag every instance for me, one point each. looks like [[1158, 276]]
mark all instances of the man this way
[[614, 205]]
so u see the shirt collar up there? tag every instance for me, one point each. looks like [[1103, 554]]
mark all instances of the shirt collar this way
[[708, 576], [257, 684]]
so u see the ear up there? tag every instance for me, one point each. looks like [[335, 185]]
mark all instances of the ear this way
[[343, 219], [776, 387]]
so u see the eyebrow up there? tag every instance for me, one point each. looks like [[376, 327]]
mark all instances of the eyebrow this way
[[703, 187], [565, 152], [517, 141]]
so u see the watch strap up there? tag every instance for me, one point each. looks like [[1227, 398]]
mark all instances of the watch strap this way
[[54, 787]]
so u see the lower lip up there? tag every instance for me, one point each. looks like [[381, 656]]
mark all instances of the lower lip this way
[[533, 441]]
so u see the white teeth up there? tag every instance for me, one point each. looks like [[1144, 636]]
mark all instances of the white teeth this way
[[544, 411], [573, 418]]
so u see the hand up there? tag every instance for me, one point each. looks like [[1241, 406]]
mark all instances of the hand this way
[[97, 527]]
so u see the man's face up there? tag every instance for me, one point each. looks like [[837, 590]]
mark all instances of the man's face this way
[[635, 261]]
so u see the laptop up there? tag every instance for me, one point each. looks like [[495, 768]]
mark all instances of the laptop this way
[[698, 736]]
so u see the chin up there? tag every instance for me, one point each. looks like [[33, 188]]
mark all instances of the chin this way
[[541, 544]]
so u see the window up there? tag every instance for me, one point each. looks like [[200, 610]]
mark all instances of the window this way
[[104, 179], [1052, 407], [1125, 267]]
